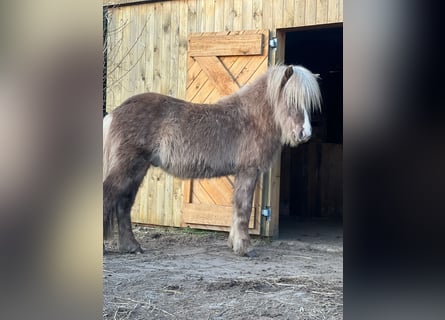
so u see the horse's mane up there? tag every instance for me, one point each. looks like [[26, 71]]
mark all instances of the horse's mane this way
[[301, 90]]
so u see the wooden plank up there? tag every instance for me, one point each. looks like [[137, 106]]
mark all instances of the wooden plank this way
[[247, 15], [268, 9], [195, 86], [111, 41], [212, 215], [149, 49], [232, 63], [253, 69], [205, 227], [279, 56], [250, 68], [174, 49], [252, 231], [218, 75], [150, 214], [177, 202], [144, 204], [194, 71], [157, 38], [228, 15], [127, 50], [231, 45], [219, 191], [310, 12], [278, 14], [340, 11], [182, 52], [133, 50], [200, 194], [257, 12], [322, 12], [213, 97], [160, 197], [191, 16], [209, 9], [272, 227], [219, 15], [197, 79], [135, 209], [238, 66], [289, 13], [202, 92], [333, 10], [151, 199], [120, 93], [237, 15], [299, 14], [187, 190], [200, 15], [168, 200], [142, 25], [208, 215], [113, 3], [165, 48]]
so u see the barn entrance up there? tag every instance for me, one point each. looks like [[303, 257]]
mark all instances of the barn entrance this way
[[311, 175]]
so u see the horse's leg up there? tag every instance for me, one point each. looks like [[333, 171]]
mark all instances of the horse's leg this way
[[239, 238], [120, 189]]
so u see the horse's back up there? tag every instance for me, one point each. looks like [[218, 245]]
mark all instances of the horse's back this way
[[152, 104]]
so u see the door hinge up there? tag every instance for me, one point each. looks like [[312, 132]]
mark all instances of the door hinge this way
[[273, 43], [266, 212]]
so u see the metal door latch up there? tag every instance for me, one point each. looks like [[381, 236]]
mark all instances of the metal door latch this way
[[273, 43], [266, 212]]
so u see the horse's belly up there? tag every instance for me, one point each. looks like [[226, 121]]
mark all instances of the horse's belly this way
[[196, 170]]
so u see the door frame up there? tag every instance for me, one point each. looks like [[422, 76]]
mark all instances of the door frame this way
[[207, 216]]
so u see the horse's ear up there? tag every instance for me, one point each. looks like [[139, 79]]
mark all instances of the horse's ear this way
[[287, 74]]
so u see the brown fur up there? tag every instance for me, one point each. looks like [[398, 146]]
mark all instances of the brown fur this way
[[240, 135]]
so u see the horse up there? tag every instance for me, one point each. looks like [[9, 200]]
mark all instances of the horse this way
[[239, 135]]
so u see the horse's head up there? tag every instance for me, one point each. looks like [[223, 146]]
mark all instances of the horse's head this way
[[294, 93]]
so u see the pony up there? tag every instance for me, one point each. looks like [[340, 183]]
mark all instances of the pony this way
[[239, 135]]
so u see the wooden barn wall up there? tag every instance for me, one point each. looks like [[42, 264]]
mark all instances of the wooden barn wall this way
[[147, 51]]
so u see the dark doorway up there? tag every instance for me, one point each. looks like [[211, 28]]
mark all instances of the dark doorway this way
[[311, 174]]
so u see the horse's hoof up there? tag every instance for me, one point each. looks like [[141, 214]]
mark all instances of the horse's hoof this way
[[130, 247], [230, 242], [240, 247], [252, 254], [131, 250]]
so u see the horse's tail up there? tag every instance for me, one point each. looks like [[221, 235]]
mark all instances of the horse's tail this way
[[106, 146], [108, 203]]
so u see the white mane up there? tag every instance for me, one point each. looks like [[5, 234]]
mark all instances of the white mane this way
[[300, 91]]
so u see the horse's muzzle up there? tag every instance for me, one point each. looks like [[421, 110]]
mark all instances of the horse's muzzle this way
[[303, 136]]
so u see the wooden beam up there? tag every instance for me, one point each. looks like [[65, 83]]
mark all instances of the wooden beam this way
[[211, 215], [218, 75], [121, 3], [230, 45]]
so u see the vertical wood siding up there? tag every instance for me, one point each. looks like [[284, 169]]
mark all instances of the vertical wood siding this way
[[148, 52]]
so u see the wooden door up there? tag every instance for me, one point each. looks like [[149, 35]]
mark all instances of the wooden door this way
[[218, 65]]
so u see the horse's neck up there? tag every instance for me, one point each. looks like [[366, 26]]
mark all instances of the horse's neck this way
[[248, 96], [232, 99]]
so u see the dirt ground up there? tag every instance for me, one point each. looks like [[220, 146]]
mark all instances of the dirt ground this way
[[190, 274]]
